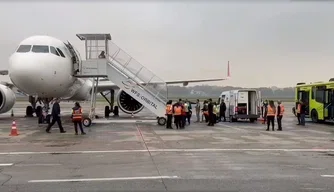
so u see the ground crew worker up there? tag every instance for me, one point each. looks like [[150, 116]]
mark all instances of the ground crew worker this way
[[177, 110], [183, 115], [298, 111], [280, 112], [77, 118], [271, 111], [198, 110], [169, 114]]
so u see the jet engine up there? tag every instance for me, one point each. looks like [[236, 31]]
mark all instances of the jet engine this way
[[7, 99], [127, 103]]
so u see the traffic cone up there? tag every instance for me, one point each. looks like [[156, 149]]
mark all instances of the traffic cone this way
[[14, 129]]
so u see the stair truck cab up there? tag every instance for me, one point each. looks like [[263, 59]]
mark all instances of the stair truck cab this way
[[241, 104], [318, 98]]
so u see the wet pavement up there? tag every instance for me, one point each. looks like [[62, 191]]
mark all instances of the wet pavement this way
[[142, 156]]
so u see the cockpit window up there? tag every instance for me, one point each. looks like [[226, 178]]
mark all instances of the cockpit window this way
[[40, 49], [24, 48], [54, 51], [60, 52]]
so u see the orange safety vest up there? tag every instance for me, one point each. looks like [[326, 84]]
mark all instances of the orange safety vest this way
[[298, 108], [169, 109], [271, 111], [177, 110], [282, 110], [77, 115]]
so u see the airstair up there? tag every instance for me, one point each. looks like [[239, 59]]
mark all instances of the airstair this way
[[124, 71]]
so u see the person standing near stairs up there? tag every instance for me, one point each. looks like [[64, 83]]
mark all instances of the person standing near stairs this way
[[77, 118]]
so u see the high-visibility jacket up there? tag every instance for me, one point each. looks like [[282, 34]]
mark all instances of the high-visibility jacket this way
[[77, 114], [215, 110], [169, 109], [177, 110], [298, 108], [186, 107], [270, 111], [282, 110]]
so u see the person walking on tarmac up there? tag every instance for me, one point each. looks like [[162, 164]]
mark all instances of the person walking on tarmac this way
[[302, 113], [215, 112], [271, 111], [222, 111], [55, 113], [298, 111], [280, 112], [210, 111], [186, 112], [198, 110], [169, 113], [263, 108], [77, 118], [177, 110], [205, 111]]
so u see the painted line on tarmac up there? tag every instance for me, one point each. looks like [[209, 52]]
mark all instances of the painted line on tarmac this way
[[327, 175], [36, 164], [163, 150], [5, 164], [103, 179]]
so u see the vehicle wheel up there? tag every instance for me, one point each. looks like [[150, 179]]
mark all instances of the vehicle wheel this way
[[106, 111], [29, 111], [38, 111], [314, 116], [87, 122], [252, 120], [162, 121]]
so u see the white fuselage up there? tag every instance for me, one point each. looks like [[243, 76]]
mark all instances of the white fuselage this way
[[42, 66]]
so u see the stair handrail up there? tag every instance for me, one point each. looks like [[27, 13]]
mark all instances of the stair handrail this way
[[158, 96]]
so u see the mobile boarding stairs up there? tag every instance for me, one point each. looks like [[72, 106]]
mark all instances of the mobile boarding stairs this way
[[124, 71]]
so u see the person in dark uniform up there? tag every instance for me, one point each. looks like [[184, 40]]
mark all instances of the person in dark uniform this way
[[302, 113], [222, 111], [210, 111], [55, 117]]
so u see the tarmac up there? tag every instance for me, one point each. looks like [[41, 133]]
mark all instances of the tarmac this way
[[136, 154]]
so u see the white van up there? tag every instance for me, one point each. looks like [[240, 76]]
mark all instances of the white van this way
[[242, 104]]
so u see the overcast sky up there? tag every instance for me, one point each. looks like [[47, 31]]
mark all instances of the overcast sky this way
[[267, 44]]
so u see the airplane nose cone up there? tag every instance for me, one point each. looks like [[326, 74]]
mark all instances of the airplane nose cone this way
[[38, 74]]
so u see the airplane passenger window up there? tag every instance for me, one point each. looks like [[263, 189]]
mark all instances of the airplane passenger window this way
[[60, 52], [54, 51], [24, 48], [40, 49]]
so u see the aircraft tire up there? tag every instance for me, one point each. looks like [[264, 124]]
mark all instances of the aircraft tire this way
[[87, 122], [162, 121]]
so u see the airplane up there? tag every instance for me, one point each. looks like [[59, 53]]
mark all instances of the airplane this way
[[42, 68]]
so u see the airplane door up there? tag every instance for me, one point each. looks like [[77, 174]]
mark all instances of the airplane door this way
[[329, 104], [76, 58]]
